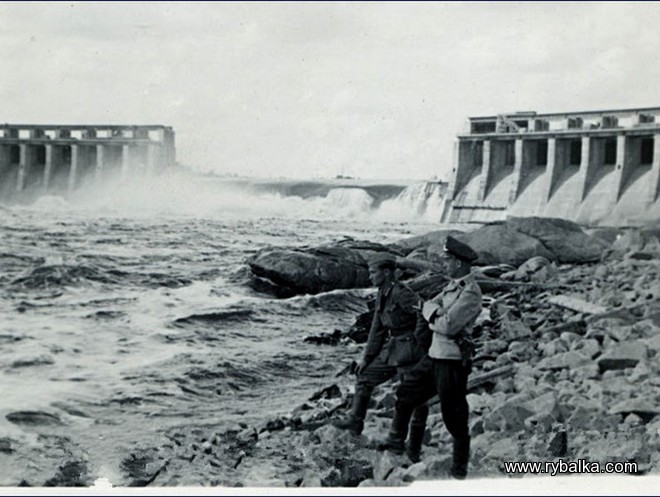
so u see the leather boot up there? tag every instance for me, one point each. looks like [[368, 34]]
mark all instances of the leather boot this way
[[354, 422], [460, 457], [396, 438], [417, 430]]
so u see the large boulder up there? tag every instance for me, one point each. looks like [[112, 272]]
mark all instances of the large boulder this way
[[344, 264], [565, 239], [536, 269], [643, 407], [311, 271], [512, 415], [565, 360], [431, 239], [499, 243], [624, 355]]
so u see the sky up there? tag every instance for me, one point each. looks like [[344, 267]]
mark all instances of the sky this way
[[374, 90]]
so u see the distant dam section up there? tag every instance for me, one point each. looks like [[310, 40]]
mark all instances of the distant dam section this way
[[388, 200], [594, 167], [378, 190], [37, 159]]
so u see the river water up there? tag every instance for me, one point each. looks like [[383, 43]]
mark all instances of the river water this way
[[124, 311]]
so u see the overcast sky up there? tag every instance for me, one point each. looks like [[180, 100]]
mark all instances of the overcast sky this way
[[373, 90]]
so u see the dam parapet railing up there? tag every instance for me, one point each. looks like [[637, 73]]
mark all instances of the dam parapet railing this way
[[592, 167], [37, 159]]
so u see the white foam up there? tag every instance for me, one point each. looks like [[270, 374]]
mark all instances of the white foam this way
[[421, 201], [181, 193]]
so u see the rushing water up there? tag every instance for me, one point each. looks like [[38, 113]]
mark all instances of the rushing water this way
[[125, 311]]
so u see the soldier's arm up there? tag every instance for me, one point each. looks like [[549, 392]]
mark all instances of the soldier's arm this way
[[436, 304], [375, 339], [466, 308], [409, 300], [412, 303], [422, 332]]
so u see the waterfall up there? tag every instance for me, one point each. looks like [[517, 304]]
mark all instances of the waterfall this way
[[423, 201]]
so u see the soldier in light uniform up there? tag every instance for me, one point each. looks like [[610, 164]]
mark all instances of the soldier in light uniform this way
[[398, 338], [444, 371]]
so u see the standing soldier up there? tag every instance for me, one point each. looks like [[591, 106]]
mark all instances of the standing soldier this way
[[398, 339], [451, 315]]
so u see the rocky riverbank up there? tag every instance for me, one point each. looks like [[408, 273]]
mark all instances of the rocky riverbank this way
[[566, 368]]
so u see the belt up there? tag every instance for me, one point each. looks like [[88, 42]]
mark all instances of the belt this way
[[397, 332]]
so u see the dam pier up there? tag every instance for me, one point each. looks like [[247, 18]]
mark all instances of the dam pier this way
[[592, 167], [36, 159]]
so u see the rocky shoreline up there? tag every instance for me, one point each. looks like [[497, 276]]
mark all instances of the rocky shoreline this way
[[566, 368]]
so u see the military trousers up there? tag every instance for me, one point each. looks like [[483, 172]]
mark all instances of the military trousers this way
[[377, 373], [447, 379]]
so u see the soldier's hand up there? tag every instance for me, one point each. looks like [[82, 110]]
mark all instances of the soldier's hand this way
[[430, 311], [362, 365]]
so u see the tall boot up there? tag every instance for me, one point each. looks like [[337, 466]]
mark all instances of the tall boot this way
[[417, 430], [396, 438], [460, 457], [354, 422]]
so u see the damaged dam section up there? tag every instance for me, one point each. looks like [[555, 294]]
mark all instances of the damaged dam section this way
[[595, 167], [39, 159]]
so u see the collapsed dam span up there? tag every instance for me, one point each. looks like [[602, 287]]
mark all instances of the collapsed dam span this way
[[594, 167], [51, 158]]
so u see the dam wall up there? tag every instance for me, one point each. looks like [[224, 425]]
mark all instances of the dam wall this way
[[594, 167], [36, 158]]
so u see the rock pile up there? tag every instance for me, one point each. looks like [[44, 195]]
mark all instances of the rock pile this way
[[566, 368]]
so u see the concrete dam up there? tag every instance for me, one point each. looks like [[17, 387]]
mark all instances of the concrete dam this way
[[594, 167], [36, 159]]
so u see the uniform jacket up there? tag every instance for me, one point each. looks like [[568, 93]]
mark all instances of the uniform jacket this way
[[398, 333], [459, 305]]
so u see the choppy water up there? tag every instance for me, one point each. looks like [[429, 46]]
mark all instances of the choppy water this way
[[125, 311]]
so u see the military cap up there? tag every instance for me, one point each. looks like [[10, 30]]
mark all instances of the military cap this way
[[460, 250], [383, 259]]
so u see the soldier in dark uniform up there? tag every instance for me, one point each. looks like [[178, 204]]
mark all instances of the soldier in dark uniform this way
[[398, 339], [444, 371]]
